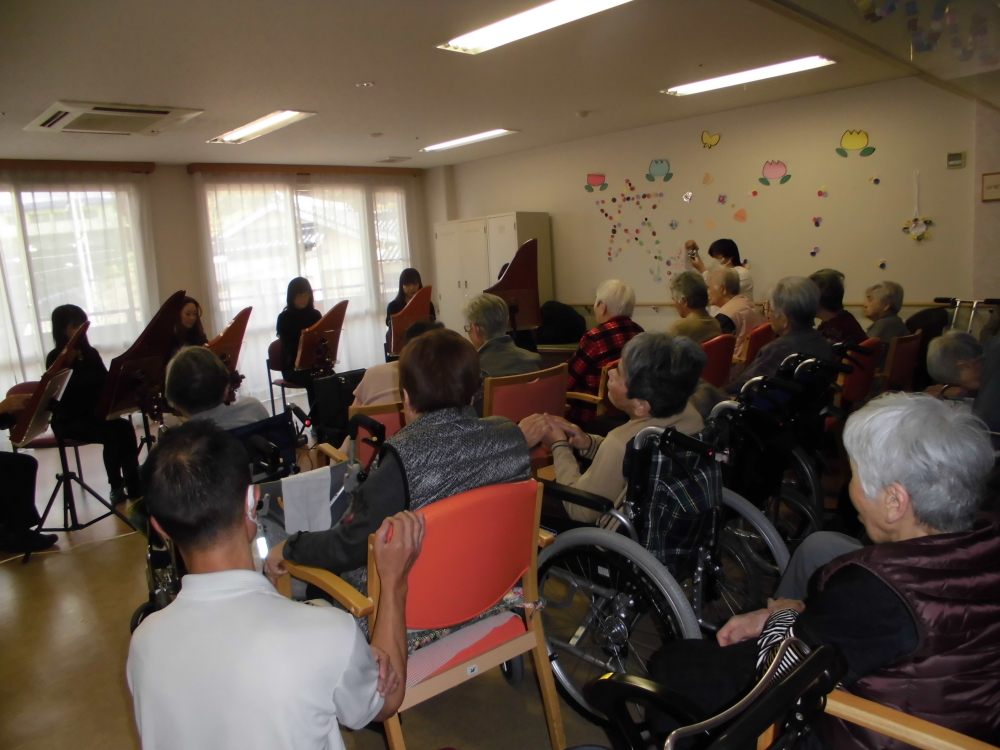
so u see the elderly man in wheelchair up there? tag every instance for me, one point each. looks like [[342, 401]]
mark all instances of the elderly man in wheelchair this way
[[915, 616]]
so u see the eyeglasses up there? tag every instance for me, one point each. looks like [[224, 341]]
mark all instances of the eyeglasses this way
[[468, 329], [767, 308]]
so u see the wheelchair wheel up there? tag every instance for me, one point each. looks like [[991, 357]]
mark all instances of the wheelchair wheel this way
[[793, 515], [609, 606], [748, 561], [143, 611], [805, 477], [513, 670]]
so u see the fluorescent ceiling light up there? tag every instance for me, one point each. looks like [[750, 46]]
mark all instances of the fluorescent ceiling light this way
[[533, 21], [470, 139], [264, 125], [748, 76]]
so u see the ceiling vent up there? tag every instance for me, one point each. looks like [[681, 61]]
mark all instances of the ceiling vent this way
[[394, 159], [110, 119]]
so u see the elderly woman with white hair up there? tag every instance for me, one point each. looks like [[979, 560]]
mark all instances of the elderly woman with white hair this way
[[883, 301], [916, 615], [955, 361], [791, 311], [690, 293], [602, 344], [652, 384]]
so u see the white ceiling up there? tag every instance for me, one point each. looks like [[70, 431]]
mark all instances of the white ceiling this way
[[241, 60]]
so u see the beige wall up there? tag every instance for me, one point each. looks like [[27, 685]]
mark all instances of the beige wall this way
[[175, 234], [912, 125], [986, 242]]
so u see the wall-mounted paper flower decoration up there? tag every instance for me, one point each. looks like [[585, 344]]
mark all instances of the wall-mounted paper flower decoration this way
[[918, 228], [722, 199], [595, 181], [773, 170], [855, 140], [708, 140], [659, 168]]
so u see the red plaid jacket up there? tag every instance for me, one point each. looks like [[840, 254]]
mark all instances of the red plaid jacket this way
[[598, 347]]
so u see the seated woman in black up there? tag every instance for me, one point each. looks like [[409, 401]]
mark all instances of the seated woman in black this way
[[188, 331], [75, 419], [409, 284], [299, 314]]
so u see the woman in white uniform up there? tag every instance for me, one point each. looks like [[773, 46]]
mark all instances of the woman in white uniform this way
[[728, 256]]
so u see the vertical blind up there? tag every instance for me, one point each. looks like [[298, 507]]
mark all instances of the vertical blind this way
[[69, 238], [349, 235]]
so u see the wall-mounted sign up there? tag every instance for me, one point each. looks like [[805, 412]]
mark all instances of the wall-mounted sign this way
[[956, 160], [991, 186]]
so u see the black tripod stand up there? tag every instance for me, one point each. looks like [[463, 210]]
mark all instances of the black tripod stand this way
[[64, 481]]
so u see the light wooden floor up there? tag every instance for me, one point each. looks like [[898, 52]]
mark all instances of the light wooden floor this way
[[64, 634]]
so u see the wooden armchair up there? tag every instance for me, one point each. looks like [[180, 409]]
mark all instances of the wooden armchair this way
[[900, 364], [520, 396], [601, 400], [478, 544], [720, 359]]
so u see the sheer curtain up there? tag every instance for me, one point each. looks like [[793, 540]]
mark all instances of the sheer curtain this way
[[70, 238], [349, 235]]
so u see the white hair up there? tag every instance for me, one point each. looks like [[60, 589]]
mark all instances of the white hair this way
[[797, 298], [940, 455], [945, 352], [889, 293], [617, 296], [725, 278], [489, 312]]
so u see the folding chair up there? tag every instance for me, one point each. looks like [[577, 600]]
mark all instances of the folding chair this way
[[274, 362], [720, 359], [478, 545]]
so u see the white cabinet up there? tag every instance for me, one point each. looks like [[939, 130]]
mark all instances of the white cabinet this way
[[469, 254]]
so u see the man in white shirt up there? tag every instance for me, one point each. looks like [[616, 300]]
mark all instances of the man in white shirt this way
[[233, 664]]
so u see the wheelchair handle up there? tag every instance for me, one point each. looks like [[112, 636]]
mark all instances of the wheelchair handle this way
[[723, 406], [945, 300], [767, 381], [376, 428], [822, 364], [841, 350]]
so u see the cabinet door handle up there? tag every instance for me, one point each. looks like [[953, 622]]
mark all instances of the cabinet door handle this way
[[459, 283], [466, 283]]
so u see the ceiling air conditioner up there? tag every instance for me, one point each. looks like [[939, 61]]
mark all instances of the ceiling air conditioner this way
[[110, 119]]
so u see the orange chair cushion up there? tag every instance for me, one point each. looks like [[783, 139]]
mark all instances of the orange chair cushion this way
[[476, 639]]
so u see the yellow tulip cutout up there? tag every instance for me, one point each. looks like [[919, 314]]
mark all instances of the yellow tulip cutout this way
[[855, 140]]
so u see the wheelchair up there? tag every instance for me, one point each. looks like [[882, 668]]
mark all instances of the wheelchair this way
[[770, 437], [792, 702], [270, 445], [684, 556]]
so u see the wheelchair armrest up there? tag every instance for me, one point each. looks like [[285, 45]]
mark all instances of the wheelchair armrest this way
[[331, 453], [577, 497], [353, 600], [610, 694]]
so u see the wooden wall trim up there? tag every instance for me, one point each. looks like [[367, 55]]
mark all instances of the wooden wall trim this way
[[59, 165], [304, 169]]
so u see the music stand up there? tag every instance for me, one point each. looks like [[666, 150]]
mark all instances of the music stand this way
[[227, 345], [318, 344], [417, 309], [519, 288], [136, 378]]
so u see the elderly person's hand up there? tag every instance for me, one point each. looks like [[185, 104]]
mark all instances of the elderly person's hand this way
[[15, 403], [742, 627], [574, 435], [534, 429]]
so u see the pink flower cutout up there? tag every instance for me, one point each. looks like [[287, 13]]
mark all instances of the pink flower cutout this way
[[775, 170]]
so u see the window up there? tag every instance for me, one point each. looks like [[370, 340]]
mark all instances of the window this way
[[68, 239], [348, 235]]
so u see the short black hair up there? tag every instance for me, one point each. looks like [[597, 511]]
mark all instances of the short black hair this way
[[439, 370], [831, 289], [298, 285], [195, 483], [725, 249], [420, 327], [196, 380]]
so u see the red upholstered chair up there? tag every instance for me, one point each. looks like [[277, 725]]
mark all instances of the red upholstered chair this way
[[520, 396], [274, 365], [759, 337], [901, 363], [856, 387], [391, 415], [478, 545], [720, 359]]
